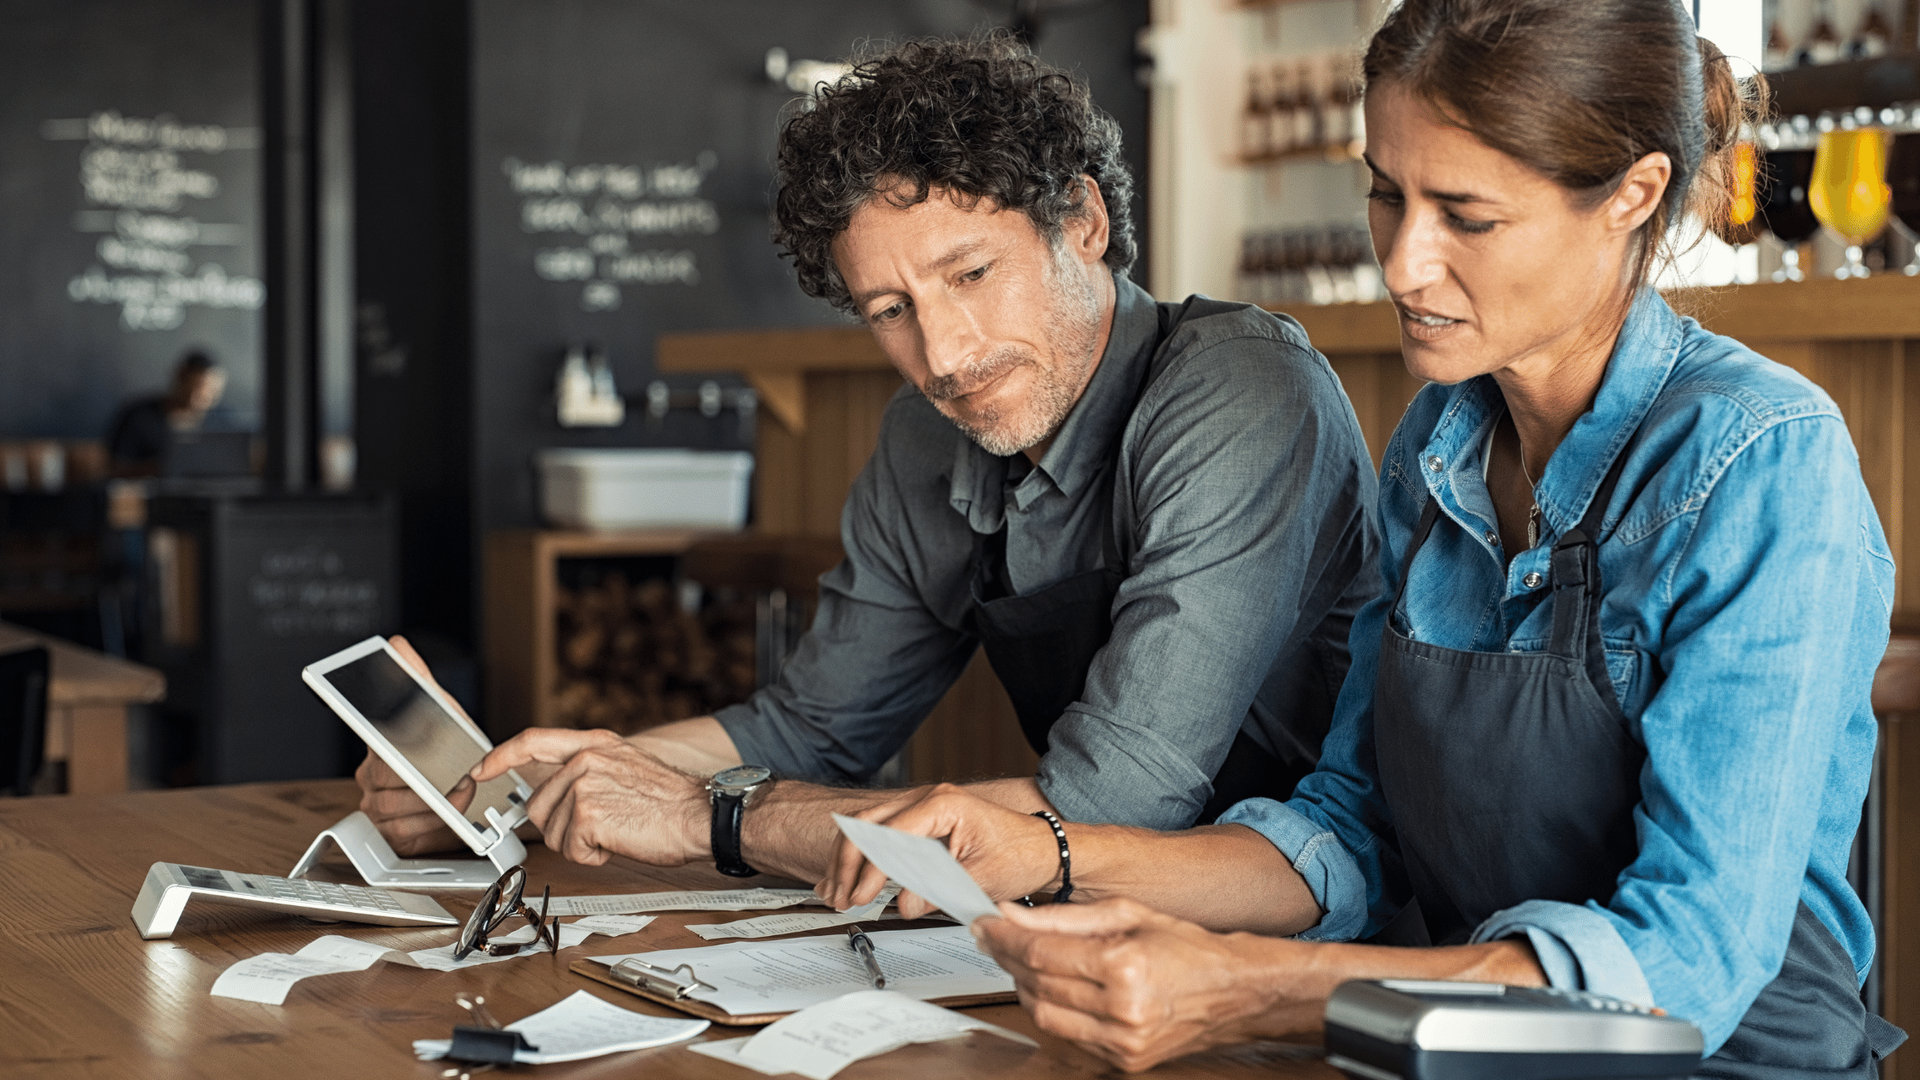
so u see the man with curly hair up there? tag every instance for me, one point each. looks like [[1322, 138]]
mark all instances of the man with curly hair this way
[[1153, 517]]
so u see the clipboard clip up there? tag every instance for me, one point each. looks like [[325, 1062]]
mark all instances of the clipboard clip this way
[[674, 984]]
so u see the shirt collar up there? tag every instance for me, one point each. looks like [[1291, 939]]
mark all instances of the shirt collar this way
[[1083, 447], [1643, 357]]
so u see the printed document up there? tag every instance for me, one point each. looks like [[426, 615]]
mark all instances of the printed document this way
[[822, 1039], [581, 1026], [711, 900], [795, 922], [783, 976]]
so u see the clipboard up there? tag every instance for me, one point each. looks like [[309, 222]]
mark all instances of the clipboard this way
[[670, 987]]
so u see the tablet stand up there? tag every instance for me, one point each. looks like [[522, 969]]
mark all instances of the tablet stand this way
[[379, 865]]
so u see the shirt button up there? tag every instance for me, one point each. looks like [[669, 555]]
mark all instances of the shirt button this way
[[1435, 463], [1493, 538], [1532, 580]]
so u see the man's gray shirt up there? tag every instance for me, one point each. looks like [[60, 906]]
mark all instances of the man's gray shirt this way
[[1243, 504]]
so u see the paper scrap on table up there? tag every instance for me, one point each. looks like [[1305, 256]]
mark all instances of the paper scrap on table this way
[[774, 925], [794, 922], [268, 977], [441, 958], [753, 977], [581, 1026], [711, 900], [920, 863], [822, 1039], [614, 925]]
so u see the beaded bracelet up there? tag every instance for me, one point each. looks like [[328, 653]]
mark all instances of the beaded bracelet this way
[[1066, 859]]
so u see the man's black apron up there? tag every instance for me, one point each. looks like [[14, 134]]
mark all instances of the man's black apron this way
[[1513, 776], [1041, 645]]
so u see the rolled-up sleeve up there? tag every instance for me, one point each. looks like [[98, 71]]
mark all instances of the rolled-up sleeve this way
[[1578, 948], [1252, 497], [1321, 860]]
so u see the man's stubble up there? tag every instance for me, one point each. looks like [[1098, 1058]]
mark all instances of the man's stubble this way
[[1058, 379]]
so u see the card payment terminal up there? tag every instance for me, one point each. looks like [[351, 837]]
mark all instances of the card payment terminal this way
[[1410, 1030]]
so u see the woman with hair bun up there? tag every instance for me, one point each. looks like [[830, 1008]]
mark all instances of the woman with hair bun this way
[[1607, 728]]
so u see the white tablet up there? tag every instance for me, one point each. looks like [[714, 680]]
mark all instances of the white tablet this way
[[416, 729]]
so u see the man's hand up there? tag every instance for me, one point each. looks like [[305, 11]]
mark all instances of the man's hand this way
[[1009, 853], [400, 815], [607, 798], [1137, 988]]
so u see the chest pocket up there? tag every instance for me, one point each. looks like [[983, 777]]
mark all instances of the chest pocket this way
[[1623, 668]]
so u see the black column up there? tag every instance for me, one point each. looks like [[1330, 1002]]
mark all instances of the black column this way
[[414, 383], [289, 102]]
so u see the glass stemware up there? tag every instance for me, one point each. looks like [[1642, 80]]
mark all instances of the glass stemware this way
[[1903, 181], [1848, 192], [1786, 174]]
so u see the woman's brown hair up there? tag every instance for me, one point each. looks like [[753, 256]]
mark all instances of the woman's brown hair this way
[[1579, 90]]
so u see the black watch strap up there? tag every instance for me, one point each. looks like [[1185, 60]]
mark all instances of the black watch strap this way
[[727, 811]]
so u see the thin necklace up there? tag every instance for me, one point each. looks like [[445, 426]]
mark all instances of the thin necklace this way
[[1533, 508]]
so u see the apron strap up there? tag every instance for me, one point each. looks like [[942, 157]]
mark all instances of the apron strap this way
[[1428, 515], [1577, 589]]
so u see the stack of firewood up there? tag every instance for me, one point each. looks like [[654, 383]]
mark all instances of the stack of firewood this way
[[631, 656]]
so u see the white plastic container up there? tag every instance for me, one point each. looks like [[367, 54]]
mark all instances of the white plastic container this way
[[642, 489]]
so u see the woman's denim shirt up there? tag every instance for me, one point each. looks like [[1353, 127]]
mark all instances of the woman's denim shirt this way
[[1748, 592]]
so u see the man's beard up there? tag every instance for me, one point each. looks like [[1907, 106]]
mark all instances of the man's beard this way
[[1057, 379]]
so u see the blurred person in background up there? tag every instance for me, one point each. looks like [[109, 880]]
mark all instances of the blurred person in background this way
[[138, 437]]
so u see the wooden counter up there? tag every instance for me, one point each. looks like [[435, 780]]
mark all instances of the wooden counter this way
[[83, 995]]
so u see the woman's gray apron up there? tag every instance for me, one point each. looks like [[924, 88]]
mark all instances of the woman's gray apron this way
[[1513, 776], [1041, 645]]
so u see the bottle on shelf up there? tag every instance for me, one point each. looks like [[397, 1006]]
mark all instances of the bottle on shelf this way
[[1336, 111], [1255, 132], [1874, 37], [1281, 126], [1823, 44], [1331, 264], [1306, 107], [1778, 55]]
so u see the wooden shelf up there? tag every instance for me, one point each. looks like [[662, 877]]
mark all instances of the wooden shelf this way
[[521, 584], [1332, 155], [1883, 307]]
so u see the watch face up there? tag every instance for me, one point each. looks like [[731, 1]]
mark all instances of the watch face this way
[[741, 776]]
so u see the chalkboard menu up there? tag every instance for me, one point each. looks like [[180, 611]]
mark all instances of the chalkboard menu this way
[[129, 169], [622, 173]]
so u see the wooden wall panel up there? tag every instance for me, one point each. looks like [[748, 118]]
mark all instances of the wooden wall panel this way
[[1874, 384], [1906, 550]]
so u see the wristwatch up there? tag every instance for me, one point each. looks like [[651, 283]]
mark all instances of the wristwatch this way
[[729, 790]]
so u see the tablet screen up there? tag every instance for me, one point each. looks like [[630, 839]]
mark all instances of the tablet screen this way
[[425, 734]]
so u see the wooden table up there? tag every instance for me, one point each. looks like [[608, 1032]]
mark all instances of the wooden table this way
[[87, 697], [82, 995]]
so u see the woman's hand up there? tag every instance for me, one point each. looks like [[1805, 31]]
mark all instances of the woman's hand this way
[[1009, 853], [1137, 988]]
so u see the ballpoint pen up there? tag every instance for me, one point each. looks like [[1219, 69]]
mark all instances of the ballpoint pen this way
[[858, 941]]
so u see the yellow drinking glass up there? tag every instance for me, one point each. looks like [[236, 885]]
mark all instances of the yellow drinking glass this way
[[1849, 192]]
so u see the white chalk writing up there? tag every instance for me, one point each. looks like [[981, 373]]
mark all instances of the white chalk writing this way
[[145, 266], [605, 206]]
